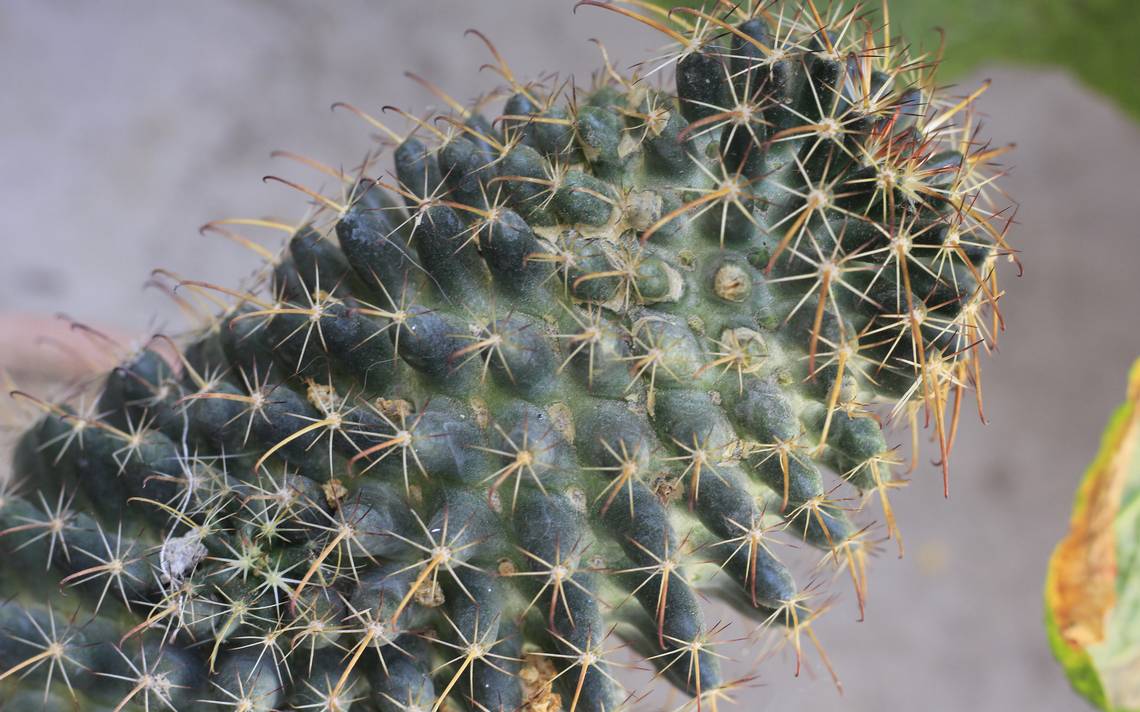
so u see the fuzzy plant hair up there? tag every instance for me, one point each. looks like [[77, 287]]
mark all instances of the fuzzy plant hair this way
[[571, 360]]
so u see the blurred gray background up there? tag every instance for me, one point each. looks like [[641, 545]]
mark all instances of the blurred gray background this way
[[126, 125]]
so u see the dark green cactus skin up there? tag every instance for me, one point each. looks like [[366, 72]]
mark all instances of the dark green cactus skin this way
[[523, 402]]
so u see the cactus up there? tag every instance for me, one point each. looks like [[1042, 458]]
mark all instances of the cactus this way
[[586, 355]]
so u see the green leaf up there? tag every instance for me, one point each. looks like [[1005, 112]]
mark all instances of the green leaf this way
[[1092, 589], [1094, 39]]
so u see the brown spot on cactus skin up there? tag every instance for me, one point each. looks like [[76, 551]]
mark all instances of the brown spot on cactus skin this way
[[732, 283]]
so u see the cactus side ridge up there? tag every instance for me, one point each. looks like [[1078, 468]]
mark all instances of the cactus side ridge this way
[[581, 358]]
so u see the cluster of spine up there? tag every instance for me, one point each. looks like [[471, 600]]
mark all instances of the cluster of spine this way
[[526, 398]]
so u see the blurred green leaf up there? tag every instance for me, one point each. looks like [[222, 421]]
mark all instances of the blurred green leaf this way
[[1097, 40], [1092, 589]]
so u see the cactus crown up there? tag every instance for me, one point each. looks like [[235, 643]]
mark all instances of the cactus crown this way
[[526, 397]]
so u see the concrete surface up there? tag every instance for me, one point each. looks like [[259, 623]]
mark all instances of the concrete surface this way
[[125, 125]]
